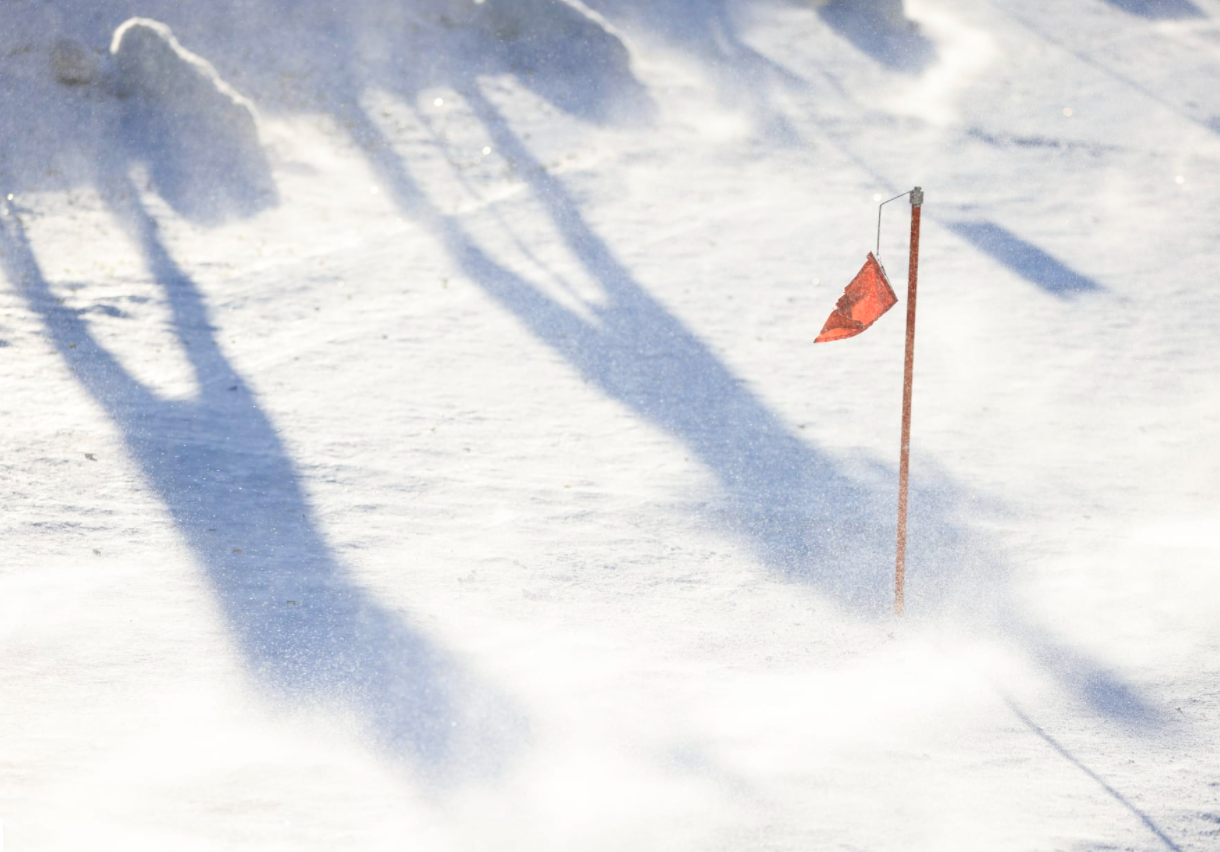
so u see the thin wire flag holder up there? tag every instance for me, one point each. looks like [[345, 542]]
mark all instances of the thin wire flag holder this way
[[882, 205]]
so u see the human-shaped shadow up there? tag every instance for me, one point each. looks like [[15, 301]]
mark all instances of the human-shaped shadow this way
[[640, 354], [806, 515], [309, 635]]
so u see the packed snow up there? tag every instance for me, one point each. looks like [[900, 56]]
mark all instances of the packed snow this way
[[414, 438]]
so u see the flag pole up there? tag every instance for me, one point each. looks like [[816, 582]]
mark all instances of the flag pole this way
[[907, 375]]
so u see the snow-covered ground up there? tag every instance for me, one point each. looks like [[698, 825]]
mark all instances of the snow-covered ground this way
[[413, 437]]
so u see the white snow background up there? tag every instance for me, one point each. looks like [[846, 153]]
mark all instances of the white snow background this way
[[413, 437]]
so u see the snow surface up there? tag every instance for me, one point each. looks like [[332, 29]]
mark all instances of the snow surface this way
[[413, 437]]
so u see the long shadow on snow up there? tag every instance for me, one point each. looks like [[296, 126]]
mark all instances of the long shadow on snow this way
[[947, 564], [640, 354], [1159, 10], [1211, 122], [1101, 782], [309, 633], [807, 516], [1026, 259]]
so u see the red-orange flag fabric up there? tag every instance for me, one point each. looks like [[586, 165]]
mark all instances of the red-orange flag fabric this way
[[866, 298]]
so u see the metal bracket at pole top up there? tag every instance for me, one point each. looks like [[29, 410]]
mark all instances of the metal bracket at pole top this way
[[916, 201]]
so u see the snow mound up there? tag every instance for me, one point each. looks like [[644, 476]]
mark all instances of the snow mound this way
[[198, 136], [880, 29], [886, 12], [538, 20], [573, 55]]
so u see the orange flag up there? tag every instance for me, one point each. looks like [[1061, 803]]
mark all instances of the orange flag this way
[[866, 298]]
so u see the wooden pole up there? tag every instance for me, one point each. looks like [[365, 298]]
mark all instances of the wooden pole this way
[[907, 375]]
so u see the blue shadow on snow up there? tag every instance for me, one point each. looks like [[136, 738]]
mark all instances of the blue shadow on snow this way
[[880, 29], [309, 634], [1159, 10], [1025, 259], [805, 514]]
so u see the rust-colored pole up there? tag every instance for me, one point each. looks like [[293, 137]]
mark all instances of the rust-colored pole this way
[[904, 463]]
